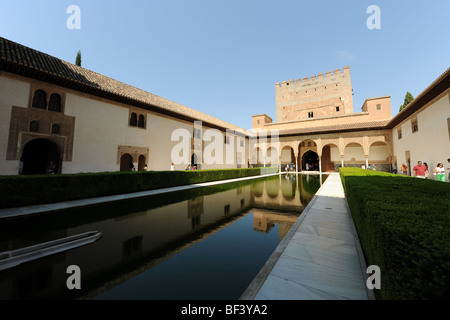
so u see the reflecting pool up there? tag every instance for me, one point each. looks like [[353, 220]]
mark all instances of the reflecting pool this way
[[205, 243]]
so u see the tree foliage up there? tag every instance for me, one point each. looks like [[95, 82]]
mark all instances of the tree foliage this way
[[78, 59], [408, 99]]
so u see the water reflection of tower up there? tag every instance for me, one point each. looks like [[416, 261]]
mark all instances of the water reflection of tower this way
[[195, 210]]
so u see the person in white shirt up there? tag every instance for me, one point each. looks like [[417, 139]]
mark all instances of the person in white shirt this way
[[439, 171]]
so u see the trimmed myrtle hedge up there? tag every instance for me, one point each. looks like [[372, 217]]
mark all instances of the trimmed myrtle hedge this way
[[17, 191], [404, 227]]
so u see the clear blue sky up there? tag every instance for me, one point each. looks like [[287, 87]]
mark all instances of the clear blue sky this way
[[223, 57]]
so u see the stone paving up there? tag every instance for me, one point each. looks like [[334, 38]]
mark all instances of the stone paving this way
[[320, 258]]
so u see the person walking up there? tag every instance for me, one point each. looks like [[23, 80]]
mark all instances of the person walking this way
[[420, 171], [426, 165], [404, 168], [439, 172], [394, 169]]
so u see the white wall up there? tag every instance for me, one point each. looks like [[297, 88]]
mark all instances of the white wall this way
[[431, 143], [12, 93]]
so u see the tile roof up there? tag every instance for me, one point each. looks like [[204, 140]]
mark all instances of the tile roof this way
[[19, 59], [369, 125]]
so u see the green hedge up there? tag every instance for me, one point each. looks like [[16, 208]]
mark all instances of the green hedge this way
[[17, 191], [404, 228]]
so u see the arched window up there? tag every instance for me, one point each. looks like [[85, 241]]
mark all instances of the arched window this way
[[55, 103], [133, 120], [141, 123], [34, 126], [40, 100], [56, 129]]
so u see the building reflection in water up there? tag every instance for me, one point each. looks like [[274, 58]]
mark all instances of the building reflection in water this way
[[140, 234]]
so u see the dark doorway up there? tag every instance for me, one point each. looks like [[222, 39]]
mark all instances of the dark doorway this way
[[310, 161], [194, 161], [126, 162], [141, 163], [37, 155]]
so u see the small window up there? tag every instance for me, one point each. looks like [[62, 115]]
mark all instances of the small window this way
[[226, 209], [310, 114], [40, 100], [227, 140], [242, 143], [34, 126], [414, 125], [258, 122], [337, 109], [133, 120], [141, 122], [55, 103], [56, 129], [378, 107], [399, 133]]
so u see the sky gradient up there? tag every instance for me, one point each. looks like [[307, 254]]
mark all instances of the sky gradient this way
[[223, 58]]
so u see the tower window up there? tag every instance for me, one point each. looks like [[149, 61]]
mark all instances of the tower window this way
[[414, 125], [378, 107], [337, 109], [310, 114], [34, 126], [141, 122], [55, 103], [40, 100], [56, 129], [133, 120]]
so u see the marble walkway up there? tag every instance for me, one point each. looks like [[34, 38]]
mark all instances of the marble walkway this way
[[320, 258]]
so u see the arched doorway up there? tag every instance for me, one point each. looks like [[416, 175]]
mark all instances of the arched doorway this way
[[141, 163], [194, 161], [126, 161], [310, 161], [380, 157], [37, 155], [288, 159]]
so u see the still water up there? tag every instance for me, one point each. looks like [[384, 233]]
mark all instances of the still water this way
[[207, 243]]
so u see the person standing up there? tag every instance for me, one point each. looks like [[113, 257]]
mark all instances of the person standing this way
[[20, 166], [420, 171], [426, 165], [172, 167], [439, 171], [394, 169], [51, 168]]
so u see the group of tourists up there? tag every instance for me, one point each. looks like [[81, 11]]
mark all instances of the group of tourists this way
[[421, 170]]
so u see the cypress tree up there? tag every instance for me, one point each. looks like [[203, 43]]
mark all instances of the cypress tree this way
[[408, 99], [78, 59]]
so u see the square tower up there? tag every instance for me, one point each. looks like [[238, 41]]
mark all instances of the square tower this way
[[315, 97]]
